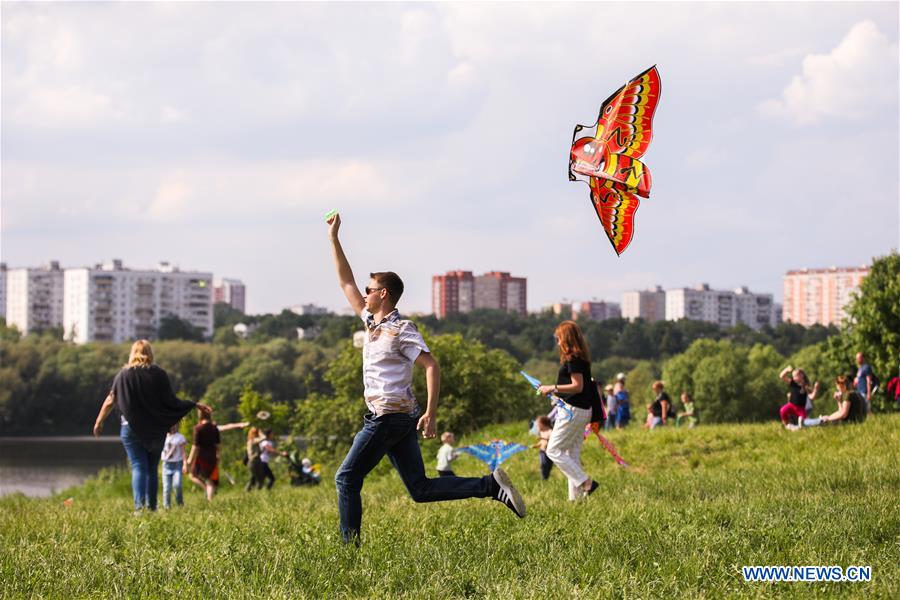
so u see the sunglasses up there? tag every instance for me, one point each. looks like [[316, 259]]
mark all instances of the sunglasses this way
[[370, 290]]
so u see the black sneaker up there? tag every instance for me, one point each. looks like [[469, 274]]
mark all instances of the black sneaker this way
[[593, 488], [505, 492]]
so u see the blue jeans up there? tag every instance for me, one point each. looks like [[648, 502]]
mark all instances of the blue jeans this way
[[394, 435], [172, 481], [144, 465]]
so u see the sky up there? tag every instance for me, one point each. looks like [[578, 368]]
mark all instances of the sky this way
[[216, 135]]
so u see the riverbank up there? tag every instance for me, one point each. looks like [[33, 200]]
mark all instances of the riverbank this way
[[696, 506], [42, 466]]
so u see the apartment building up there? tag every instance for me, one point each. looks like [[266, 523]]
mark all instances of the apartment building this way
[[461, 291], [820, 295], [232, 292], [34, 298], [649, 305], [110, 302]]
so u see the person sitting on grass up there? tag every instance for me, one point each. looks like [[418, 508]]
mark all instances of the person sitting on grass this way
[[851, 406], [688, 414], [798, 395]]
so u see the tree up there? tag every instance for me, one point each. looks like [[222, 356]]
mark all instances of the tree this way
[[478, 386], [873, 318], [765, 390], [172, 327]]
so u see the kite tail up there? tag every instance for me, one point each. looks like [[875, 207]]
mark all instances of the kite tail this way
[[611, 449]]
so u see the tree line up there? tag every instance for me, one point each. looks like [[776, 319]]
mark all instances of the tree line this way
[[52, 387]]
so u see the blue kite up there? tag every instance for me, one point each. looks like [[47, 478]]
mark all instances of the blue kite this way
[[494, 452], [556, 400]]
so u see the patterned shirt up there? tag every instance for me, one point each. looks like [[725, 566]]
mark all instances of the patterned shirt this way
[[390, 349]]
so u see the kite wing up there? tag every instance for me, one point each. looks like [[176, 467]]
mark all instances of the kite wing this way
[[534, 381], [482, 452], [607, 158], [625, 124], [615, 207]]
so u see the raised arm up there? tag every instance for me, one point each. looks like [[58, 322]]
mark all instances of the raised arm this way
[[815, 391], [785, 374], [345, 274], [230, 426], [427, 423]]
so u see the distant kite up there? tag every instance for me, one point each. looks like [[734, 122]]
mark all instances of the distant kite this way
[[607, 159]]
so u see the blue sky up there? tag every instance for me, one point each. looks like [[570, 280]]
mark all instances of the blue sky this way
[[215, 136]]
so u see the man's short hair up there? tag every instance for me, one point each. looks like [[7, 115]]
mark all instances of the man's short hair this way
[[391, 282]]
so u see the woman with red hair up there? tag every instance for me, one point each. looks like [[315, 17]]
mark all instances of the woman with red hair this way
[[576, 390]]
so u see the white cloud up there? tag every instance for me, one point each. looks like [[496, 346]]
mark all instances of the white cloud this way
[[64, 106], [848, 82], [171, 199], [170, 114], [776, 58]]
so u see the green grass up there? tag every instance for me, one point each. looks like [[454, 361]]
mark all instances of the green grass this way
[[697, 505]]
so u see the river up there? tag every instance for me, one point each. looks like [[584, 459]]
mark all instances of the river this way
[[41, 466]]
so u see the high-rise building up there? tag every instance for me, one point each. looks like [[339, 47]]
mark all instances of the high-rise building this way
[[460, 291], [499, 290], [755, 310], [725, 308], [702, 304], [112, 303], [596, 311], [453, 292], [3, 289], [649, 305], [820, 295], [34, 298], [232, 292]]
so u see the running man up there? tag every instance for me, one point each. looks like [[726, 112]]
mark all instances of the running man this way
[[392, 346]]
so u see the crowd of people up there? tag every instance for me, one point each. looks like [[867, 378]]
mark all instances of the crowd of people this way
[[150, 416]]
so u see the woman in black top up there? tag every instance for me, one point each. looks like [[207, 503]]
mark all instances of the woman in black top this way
[[144, 396], [798, 393], [577, 392], [661, 406]]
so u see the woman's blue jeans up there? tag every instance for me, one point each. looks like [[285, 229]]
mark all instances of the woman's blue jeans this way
[[394, 435], [144, 465]]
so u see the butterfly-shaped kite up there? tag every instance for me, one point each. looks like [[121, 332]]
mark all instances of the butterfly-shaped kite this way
[[607, 158]]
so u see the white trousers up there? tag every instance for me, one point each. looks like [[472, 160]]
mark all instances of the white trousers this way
[[564, 447]]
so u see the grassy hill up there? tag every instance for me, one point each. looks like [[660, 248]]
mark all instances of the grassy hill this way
[[696, 506]]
